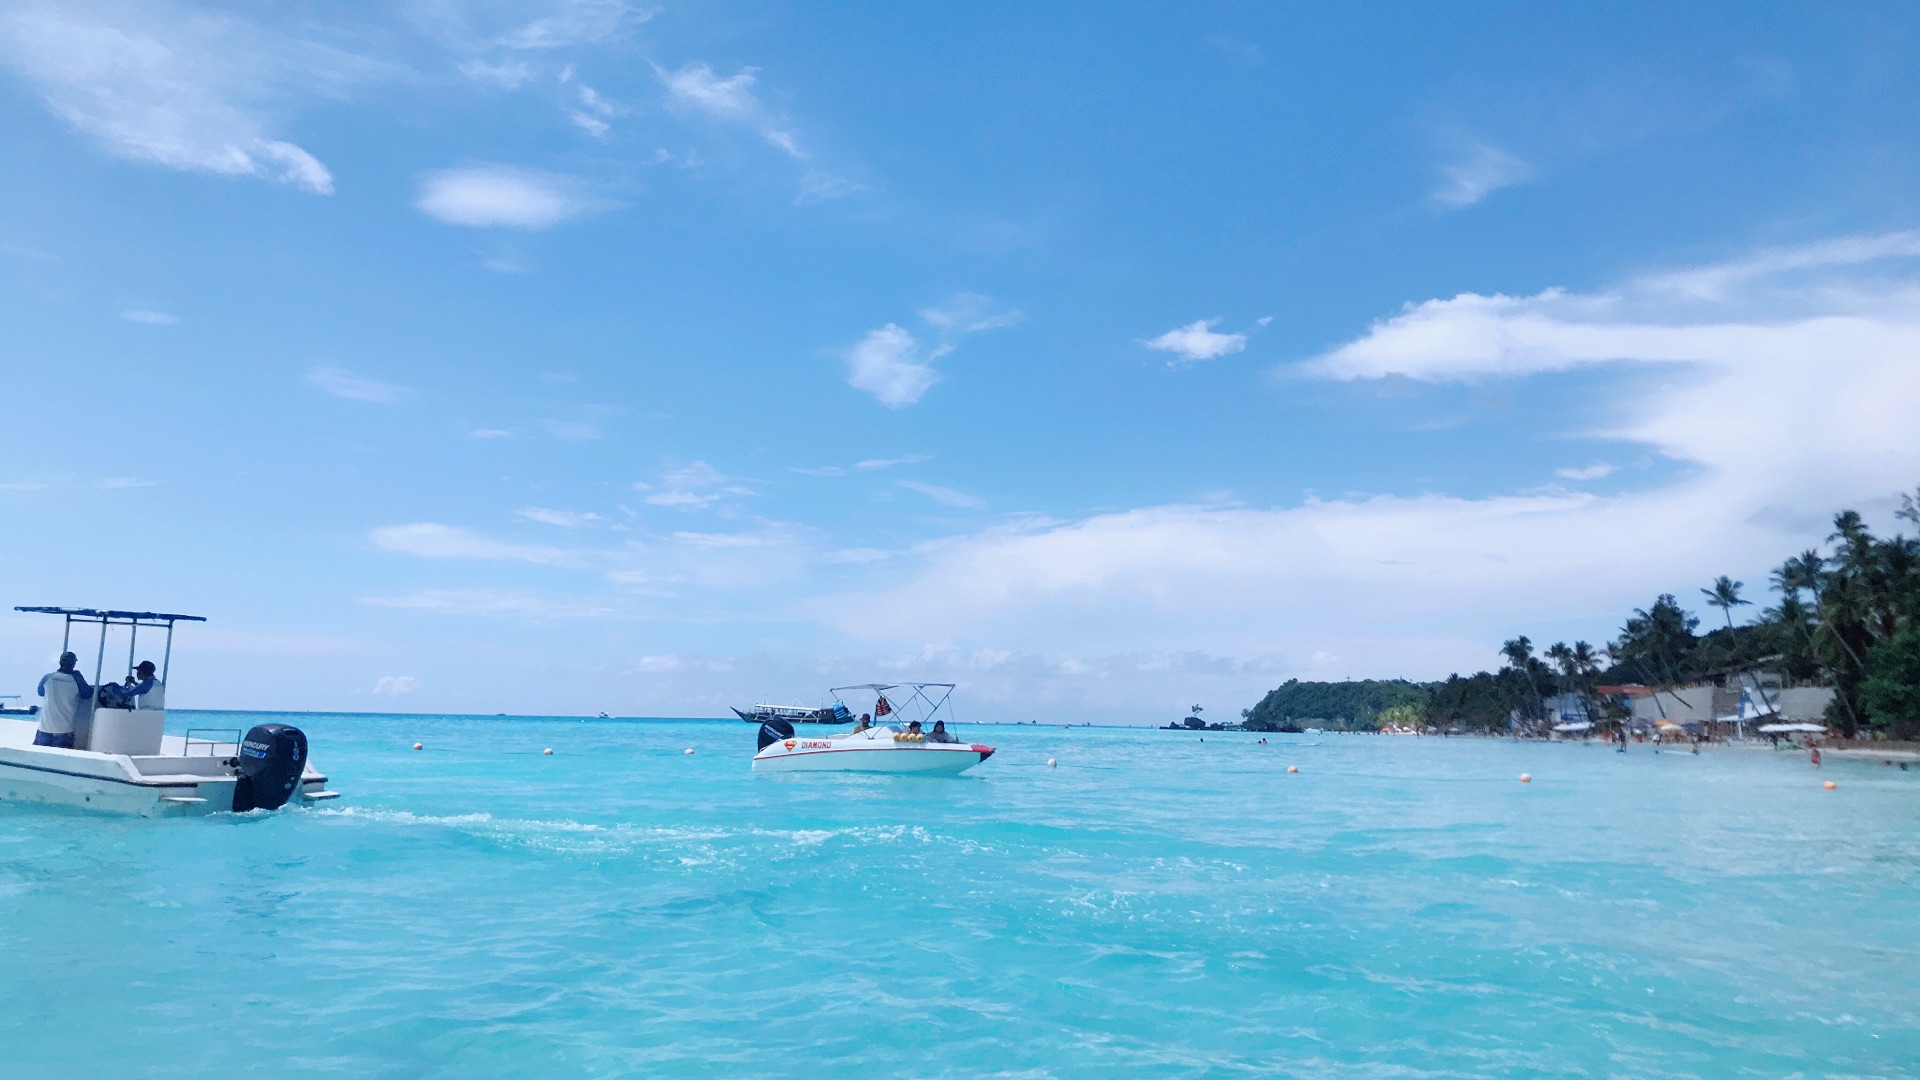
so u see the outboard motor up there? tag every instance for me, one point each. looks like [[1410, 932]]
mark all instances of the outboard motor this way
[[272, 757], [773, 731]]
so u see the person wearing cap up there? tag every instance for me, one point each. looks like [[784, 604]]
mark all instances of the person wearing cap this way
[[64, 690], [146, 691]]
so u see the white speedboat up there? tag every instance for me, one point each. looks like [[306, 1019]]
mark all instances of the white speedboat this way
[[123, 761], [902, 746]]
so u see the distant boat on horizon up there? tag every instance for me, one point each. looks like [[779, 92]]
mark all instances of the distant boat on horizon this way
[[837, 713]]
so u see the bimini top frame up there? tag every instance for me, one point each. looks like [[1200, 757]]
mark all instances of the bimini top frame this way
[[928, 703], [132, 620]]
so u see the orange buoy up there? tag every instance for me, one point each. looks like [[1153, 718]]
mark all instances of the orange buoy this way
[[1293, 768], [1829, 785], [1526, 778], [417, 746]]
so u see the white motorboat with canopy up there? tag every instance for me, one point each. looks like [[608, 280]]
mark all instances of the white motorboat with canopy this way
[[906, 743], [123, 760]]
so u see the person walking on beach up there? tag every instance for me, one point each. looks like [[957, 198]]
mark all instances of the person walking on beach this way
[[64, 690], [1816, 757]]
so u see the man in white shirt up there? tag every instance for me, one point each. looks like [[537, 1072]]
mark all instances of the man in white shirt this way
[[148, 692], [64, 690]]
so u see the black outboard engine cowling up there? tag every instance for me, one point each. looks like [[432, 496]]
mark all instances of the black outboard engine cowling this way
[[774, 730], [272, 757]]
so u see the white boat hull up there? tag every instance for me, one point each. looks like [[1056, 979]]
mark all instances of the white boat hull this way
[[873, 751], [172, 783]]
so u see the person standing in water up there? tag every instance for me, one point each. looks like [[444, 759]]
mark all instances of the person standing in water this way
[[64, 690]]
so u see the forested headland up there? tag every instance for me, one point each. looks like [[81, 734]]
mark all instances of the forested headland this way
[[1846, 616]]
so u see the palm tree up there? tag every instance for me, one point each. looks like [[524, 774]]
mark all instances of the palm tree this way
[[1725, 595]]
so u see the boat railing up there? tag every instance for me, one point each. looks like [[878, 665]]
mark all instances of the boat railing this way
[[212, 745]]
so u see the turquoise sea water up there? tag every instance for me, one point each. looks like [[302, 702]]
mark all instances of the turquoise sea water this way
[[1156, 905]]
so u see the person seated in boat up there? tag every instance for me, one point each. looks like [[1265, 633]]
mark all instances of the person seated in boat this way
[[64, 690], [913, 729], [146, 691], [861, 724], [940, 733]]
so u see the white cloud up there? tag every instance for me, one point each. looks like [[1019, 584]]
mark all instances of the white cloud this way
[[1775, 423], [695, 88], [887, 363], [1197, 341], [503, 196], [433, 541], [945, 496], [150, 318], [566, 519], [1597, 471], [395, 685], [184, 90], [1483, 171], [489, 433], [121, 483], [23, 485], [890, 363], [343, 385]]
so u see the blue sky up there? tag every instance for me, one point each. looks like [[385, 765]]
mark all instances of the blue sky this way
[[561, 357]]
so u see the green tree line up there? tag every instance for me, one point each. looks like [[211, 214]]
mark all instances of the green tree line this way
[[1847, 616]]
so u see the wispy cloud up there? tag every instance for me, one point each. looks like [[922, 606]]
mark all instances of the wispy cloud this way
[[692, 487], [945, 496], [490, 433], [695, 88], [566, 519], [1483, 171], [529, 603], [430, 540], [395, 685], [122, 483], [149, 317], [507, 74], [1197, 341], [1597, 471], [342, 384], [503, 196], [871, 464], [968, 313], [180, 89]]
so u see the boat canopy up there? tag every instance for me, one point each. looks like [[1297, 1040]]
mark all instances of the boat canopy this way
[[87, 614], [132, 620], [918, 704]]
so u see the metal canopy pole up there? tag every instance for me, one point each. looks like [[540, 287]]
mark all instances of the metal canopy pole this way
[[100, 661], [133, 636], [166, 661], [66, 634]]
